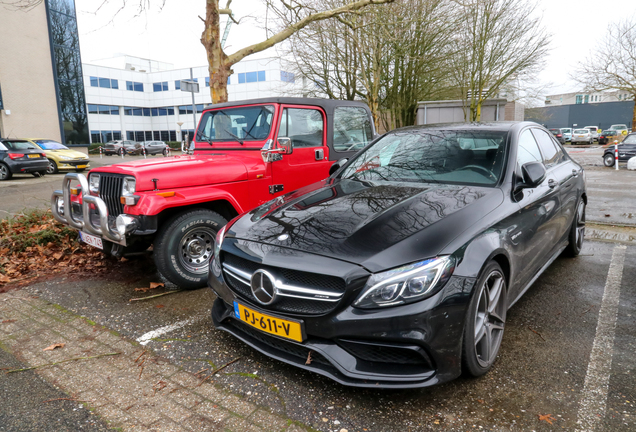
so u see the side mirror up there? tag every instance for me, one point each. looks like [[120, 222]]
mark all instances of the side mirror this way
[[533, 174], [285, 145], [337, 165]]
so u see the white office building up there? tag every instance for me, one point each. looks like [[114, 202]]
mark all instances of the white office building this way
[[139, 99], [582, 98]]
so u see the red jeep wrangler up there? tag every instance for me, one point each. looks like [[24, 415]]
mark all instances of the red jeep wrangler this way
[[244, 154]]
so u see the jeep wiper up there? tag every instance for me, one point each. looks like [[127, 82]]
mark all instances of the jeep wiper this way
[[239, 140]]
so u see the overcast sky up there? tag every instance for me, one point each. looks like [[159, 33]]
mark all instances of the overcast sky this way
[[173, 34]]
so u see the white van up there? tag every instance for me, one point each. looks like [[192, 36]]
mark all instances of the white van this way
[[593, 131]]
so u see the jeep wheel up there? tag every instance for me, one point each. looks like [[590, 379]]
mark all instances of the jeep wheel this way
[[184, 245]]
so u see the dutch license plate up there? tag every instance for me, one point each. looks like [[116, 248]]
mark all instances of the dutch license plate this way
[[269, 324], [81, 166], [91, 240], [33, 156]]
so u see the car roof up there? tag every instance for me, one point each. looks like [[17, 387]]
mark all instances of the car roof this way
[[323, 103], [501, 126]]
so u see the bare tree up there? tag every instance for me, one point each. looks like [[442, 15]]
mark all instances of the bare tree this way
[[617, 70], [390, 56], [294, 16], [495, 41]]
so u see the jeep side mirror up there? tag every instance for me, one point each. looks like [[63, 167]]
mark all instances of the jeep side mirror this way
[[285, 145], [533, 174], [337, 165]]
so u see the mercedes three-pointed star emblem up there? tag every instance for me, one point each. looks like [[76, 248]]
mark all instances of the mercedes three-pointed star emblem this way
[[263, 287]]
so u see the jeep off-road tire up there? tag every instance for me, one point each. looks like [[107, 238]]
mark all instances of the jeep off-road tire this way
[[184, 246]]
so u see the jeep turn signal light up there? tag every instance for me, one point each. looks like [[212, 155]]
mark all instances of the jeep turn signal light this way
[[76, 190], [166, 194], [129, 200]]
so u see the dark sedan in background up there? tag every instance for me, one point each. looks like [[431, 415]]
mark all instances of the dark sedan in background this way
[[558, 134], [397, 270], [609, 136], [21, 157], [626, 151]]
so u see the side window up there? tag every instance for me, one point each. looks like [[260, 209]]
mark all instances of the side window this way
[[304, 126], [352, 128], [551, 155], [527, 150]]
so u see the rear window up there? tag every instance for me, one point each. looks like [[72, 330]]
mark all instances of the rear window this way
[[19, 145], [581, 131]]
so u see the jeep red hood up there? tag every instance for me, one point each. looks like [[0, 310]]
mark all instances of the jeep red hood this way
[[181, 171]]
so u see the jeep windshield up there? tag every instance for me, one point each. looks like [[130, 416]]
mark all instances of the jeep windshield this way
[[435, 156], [251, 123]]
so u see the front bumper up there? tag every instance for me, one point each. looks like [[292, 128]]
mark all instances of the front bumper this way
[[91, 215], [408, 346], [73, 164]]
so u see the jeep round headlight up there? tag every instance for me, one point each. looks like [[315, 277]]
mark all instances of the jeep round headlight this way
[[128, 188], [93, 183]]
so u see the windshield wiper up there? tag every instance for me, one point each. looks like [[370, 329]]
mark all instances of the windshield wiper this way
[[239, 140]]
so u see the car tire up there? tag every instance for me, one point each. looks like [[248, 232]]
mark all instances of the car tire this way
[[165, 151], [52, 168], [608, 160], [577, 231], [5, 172], [184, 245], [485, 321]]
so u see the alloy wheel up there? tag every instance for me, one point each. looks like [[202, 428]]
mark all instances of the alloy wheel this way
[[490, 318], [195, 249], [4, 172], [580, 225], [50, 168]]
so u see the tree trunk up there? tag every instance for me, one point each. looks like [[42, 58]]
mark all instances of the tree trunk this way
[[218, 66]]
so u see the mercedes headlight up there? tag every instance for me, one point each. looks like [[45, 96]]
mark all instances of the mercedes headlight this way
[[128, 187], [406, 284], [93, 183]]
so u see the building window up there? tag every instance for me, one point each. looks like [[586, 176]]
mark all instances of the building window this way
[[587, 99], [250, 77], [579, 99], [287, 77], [177, 85], [160, 86], [92, 109], [105, 136], [207, 81], [187, 109], [134, 86], [146, 112], [103, 109], [139, 136], [104, 82]]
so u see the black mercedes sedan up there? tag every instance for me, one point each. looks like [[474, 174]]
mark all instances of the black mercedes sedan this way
[[397, 270]]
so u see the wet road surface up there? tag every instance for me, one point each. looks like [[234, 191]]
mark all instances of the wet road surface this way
[[540, 376]]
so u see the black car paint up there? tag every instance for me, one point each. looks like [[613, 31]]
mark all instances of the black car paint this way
[[626, 151], [350, 231], [23, 165]]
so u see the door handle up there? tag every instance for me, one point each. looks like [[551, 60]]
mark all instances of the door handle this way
[[552, 183], [320, 154], [575, 173]]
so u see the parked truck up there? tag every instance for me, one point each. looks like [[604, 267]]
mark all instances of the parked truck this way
[[243, 155]]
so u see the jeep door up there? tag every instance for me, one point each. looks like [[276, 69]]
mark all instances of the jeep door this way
[[309, 160]]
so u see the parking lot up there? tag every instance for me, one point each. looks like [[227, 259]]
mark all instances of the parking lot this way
[[566, 361]]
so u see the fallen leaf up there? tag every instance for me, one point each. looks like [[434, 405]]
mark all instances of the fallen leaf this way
[[4, 278], [8, 321], [52, 347], [58, 255], [159, 306], [308, 358], [547, 417], [608, 215], [154, 285]]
